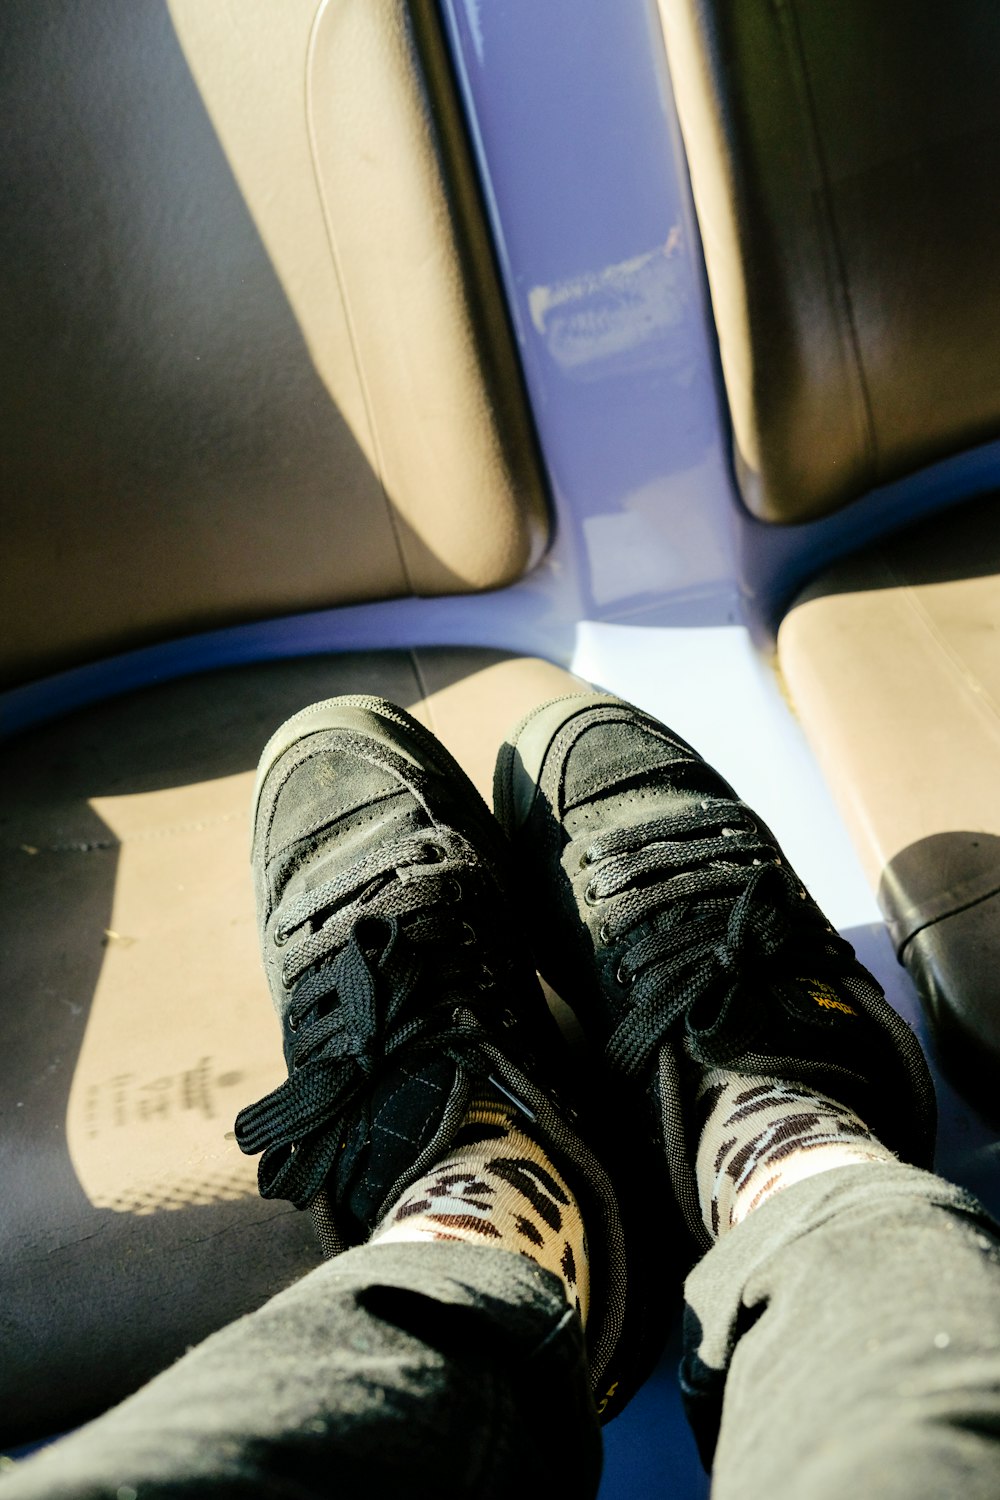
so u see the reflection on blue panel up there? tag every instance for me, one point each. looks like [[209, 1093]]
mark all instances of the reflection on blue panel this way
[[571, 111]]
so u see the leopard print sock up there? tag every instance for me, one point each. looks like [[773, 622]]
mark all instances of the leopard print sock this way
[[760, 1135], [497, 1186]]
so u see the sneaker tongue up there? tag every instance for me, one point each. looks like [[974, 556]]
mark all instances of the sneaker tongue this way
[[404, 1115]]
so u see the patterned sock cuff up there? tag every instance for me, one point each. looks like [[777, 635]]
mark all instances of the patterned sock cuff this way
[[761, 1135], [497, 1186]]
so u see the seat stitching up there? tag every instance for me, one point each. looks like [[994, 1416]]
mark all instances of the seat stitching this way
[[969, 680], [793, 33], [391, 512]]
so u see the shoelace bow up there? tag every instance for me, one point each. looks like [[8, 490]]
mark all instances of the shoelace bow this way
[[388, 975], [709, 921]]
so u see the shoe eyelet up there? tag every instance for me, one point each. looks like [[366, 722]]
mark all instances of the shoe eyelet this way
[[433, 853], [590, 896], [586, 858], [604, 932], [622, 976], [454, 889], [292, 1020], [279, 937], [467, 935]]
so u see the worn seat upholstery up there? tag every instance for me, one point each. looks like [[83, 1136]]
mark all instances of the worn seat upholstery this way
[[843, 161], [256, 362]]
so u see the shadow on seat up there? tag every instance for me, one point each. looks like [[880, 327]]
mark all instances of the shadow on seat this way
[[139, 1020], [258, 363]]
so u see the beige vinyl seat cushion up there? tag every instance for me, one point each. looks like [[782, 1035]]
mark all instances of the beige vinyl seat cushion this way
[[256, 355], [892, 660], [858, 333], [858, 339], [137, 1020]]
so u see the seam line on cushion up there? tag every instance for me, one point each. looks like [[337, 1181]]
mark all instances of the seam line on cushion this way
[[418, 673], [426, 712], [348, 314], [421, 709], [969, 681], [793, 31]]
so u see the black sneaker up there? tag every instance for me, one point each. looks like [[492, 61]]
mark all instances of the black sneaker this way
[[402, 981], [667, 918]]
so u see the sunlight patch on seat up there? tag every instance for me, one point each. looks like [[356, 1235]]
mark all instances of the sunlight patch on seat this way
[[249, 63], [180, 1033]]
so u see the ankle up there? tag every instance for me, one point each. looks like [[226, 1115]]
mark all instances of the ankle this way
[[762, 1135], [498, 1187]]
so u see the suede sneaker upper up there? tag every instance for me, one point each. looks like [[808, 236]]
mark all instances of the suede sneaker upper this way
[[403, 981], [668, 917]]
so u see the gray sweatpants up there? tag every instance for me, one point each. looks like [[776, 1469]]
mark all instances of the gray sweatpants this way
[[844, 1340]]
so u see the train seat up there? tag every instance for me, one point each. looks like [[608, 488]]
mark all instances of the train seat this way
[[842, 163], [257, 363]]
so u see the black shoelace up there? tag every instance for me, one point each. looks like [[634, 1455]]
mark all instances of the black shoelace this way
[[380, 965], [711, 930]]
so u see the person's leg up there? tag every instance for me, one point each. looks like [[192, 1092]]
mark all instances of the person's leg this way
[[424, 1104], [418, 1368], [847, 1335], [845, 1325]]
